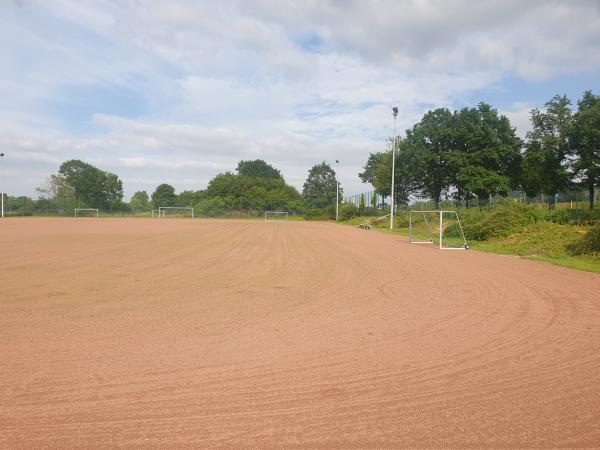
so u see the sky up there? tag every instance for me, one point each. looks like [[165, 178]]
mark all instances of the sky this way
[[180, 91]]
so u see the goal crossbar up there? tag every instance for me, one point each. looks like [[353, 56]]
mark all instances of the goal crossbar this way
[[430, 231], [79, 210], [163, 209], [277, 213]]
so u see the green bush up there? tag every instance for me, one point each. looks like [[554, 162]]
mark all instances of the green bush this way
[[316, 214], [589, 244], [348, 211], [574, 216], [502, 221]]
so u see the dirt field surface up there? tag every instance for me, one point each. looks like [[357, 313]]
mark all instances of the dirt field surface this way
[[205, 333]]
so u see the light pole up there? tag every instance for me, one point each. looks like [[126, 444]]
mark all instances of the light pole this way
[[395, 114], [2, 180], [337, 191]]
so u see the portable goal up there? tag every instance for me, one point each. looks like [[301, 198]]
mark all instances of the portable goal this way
[[163, 211], [86, 212], [441, 228], [276, 215]]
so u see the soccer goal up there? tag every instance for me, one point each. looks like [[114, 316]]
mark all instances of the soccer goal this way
[[441, 228], [276, 215], [174, 211], [86, 212]]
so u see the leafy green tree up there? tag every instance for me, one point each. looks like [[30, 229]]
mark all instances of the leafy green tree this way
[[584, 141], [430, 143], [140, 202], [257, 168], [362, 203], [113, 190], [249, 193], [545, 167], [378, 172], [319, 190], [57, 193], [189, 198], [91, 185], [484, 155], [164, 195]]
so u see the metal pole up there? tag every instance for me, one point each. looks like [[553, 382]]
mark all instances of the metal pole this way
[[441, 226], [394, 113], [337, 191], [2, 180]]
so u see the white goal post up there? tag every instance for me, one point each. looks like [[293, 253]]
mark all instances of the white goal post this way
[[78, 211], [163, 209], [443, 226], [283, 214]]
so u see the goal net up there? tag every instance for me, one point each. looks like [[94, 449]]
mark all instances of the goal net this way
[[86, 212], [175, 211], [276, 215], [440, 228]]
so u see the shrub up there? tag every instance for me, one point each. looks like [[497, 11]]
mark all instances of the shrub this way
[[316, 214], [502, 221], [589, 244], [348, 211], [574, 216]]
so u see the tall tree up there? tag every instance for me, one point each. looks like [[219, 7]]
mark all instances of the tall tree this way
[[113, 189], [91, 185], [140, 202], [430, 143], [319, 190], [58, 192], [163, 195], [257, 168], [584, 141], [406, 174], [485, 153], [547, 148]]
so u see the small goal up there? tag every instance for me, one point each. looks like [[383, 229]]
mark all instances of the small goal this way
[[86, 212], [174, 211], [440, 228], [276, 215]]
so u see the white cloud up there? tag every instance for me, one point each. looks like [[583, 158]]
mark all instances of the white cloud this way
[[295, 83]]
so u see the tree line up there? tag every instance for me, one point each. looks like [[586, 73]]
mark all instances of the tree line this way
[[474, 153], [255, 186]]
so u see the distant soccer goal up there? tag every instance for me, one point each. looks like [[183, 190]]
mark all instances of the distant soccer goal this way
[[276, 215], [440, 228], [86, 212], [175, 211]]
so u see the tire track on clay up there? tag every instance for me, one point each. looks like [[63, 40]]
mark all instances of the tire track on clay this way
[[253, 334]]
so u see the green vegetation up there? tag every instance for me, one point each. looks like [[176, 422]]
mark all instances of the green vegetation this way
[[565, 237], [80, 185], [473, 154]]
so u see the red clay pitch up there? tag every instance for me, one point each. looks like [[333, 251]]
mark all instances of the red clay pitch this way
[[167, 333]]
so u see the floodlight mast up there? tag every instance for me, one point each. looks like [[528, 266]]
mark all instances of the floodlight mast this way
[[337, 191], [395, 114]]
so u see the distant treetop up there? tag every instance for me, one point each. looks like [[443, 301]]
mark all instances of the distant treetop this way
[[258, 169]]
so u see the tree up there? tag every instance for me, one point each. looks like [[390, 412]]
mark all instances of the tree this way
[[257, 168], [189, 198], [113, 189], [319, 190], [140, 202], [430, 143], [378, 172], [484, 156], [163, 195], [248, 193], [91, 185], [584, 140], [545, 160], [58, 192]]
